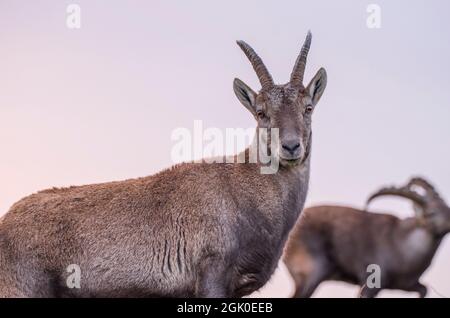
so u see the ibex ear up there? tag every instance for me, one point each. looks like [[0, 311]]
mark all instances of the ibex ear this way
[[245, 95], [317, 86]]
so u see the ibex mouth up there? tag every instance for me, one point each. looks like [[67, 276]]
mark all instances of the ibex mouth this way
[[291, 162], [298, 160]]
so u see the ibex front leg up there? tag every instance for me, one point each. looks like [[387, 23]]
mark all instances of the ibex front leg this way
[[366, 292], [213, 282]]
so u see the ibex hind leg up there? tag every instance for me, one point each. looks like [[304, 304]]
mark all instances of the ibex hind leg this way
[[21, 278], [14, 286], [8, 290], [9, 285], [8, 280]]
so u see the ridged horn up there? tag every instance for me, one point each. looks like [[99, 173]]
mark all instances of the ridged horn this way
[[261, 71], [300, 64], [401, 192]]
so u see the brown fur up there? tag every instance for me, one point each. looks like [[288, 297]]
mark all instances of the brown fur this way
[[338, 243], [155, 231]]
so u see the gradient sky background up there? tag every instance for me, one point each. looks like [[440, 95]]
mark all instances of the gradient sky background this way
[[100, 103]]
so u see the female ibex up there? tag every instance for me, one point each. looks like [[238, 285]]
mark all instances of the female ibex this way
[[339, 243], [196, 229]]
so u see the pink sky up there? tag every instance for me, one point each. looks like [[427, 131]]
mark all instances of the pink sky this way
[[100, 103]]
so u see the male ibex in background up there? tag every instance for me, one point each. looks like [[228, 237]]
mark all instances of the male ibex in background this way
[[196, 229], [338, 243]]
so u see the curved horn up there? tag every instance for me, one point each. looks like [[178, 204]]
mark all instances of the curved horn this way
[[424, 184], [261, 71], [402, 192], [300, 63], [431, 195]]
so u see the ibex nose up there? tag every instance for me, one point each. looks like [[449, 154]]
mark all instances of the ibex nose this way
[[291, 146]]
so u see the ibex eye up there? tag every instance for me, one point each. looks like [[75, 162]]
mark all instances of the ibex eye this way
[[260, 114], [308, 109]]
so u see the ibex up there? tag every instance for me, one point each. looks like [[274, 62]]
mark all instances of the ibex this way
[[193, 230], [339, 243]]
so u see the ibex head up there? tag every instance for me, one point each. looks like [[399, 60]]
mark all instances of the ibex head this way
[[287, 107], [428, 204]]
